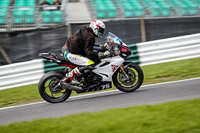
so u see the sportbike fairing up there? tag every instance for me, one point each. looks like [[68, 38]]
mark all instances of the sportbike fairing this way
[[108, 66]]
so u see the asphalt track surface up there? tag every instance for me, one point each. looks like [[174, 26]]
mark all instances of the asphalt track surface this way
[[149, 94]]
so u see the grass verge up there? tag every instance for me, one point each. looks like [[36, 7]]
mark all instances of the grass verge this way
[[173, 117], [153, 74]]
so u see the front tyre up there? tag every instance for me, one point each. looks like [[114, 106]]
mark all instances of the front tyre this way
[[134, 80], [47, 88]]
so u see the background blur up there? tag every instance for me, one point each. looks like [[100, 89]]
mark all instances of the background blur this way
[[28, 28]]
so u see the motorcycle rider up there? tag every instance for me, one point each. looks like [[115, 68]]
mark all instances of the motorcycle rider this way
[[81, 44]]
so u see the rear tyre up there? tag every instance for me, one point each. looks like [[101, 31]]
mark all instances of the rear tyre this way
[[135, 75], [47, 90]]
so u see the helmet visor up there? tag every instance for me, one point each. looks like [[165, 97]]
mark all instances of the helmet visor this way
[[101, 32]]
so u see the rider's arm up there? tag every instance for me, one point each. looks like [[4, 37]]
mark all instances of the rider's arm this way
[[89, 43], [101, 47], [98, 45], [90, 53]]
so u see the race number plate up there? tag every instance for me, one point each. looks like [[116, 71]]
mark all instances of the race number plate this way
[[103, 86]]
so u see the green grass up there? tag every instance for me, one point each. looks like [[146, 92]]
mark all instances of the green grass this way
[[172, 71], [153, 74], [173, 117]]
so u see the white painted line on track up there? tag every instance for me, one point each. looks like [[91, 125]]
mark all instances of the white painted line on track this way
[[171, 82], [74, 97]]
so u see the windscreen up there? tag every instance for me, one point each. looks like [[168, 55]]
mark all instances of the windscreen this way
[[113, 38]]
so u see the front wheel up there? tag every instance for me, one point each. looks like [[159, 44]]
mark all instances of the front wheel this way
[[132, 81], [47, 88]]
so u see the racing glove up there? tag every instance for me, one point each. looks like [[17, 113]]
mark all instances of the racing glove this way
[[104, 54], [106, 46]]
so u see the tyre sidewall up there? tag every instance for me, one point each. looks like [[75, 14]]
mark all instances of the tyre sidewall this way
[[41, 88], [135, 87]]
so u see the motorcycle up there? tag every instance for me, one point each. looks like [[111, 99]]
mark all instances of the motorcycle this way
[[126, 76]]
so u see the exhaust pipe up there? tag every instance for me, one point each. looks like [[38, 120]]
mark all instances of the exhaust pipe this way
[[70, 87]]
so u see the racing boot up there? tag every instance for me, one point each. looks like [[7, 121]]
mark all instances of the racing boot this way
[[69, 76], [69, 83], [65, 83]]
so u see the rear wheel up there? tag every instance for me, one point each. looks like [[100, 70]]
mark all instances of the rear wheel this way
[[47, 88], [134, 80]]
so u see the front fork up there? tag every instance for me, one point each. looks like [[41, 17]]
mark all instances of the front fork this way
[[122, 69]]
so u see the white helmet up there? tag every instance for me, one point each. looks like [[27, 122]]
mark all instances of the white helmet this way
[[98, 27]]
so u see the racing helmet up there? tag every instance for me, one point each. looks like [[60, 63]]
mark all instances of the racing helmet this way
[[98, 27]]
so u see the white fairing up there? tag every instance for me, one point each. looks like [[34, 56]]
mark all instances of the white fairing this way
[[108, 67]]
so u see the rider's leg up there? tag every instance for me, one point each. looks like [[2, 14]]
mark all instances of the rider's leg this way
[[82, 61], [70, 75]]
